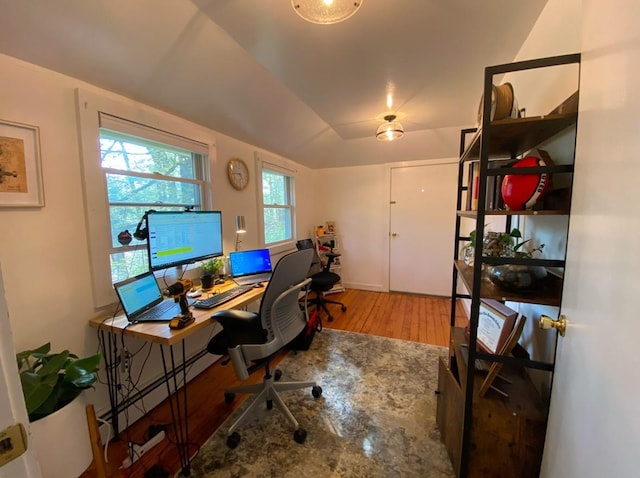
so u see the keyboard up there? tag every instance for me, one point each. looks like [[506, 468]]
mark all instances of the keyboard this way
[[222, 297], [164, 311]]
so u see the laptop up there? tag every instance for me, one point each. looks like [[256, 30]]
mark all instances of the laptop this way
[[250, 267], [142, 299]]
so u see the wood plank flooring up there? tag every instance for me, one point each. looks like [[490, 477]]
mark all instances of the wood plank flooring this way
[[403, 316]]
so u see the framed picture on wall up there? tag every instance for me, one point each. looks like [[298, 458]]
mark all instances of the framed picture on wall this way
[[20, 167], [331, 227]]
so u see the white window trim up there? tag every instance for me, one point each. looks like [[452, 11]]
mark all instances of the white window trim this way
[[274, 163], [89, 106]]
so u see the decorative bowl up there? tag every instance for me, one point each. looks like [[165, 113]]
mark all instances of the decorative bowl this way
[[518, 278]]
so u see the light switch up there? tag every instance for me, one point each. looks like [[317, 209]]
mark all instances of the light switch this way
[[13, 443]]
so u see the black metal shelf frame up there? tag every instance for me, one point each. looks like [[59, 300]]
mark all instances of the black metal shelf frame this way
[[482, 141]]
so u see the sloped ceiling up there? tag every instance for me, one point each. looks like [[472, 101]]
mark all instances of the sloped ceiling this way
[[254, 70]]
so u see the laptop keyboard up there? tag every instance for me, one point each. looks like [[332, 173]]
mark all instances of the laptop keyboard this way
[[222, 297], [252, 279], [159, 312]]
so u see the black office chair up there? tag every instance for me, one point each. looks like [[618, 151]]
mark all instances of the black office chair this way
[[253, 340], [322, 279]]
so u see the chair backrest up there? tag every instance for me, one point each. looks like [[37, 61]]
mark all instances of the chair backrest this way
[[280, 313], [316, 264]]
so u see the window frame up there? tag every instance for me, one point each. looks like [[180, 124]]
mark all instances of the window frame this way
[[89, 107], [279, 166], [200, 182]]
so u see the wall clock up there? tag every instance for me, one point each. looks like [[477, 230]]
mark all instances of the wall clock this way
[[238, 173]]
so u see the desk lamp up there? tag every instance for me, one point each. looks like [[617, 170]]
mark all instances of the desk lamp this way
[[240, 229]]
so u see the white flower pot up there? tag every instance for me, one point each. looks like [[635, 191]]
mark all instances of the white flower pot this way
[[61, 441]]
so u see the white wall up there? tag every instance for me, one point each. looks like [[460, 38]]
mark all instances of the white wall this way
[[357, 199], [44, 251]]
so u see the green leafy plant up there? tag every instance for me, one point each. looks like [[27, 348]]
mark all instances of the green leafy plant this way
[[512, 239], [211, 267], [52, 380], [509, 240]]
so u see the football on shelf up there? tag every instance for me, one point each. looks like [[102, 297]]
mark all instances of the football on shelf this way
[[522, 191]]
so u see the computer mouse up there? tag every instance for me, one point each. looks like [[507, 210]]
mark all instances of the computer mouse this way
[[257, 285]]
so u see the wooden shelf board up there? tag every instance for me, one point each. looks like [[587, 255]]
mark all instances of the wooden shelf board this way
[[550, 294], [526, 212], [512, 137]]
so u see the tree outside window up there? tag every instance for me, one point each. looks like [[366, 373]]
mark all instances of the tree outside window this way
[[142, 175]]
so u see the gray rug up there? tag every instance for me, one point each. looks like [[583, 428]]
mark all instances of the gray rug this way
[[376, 416]]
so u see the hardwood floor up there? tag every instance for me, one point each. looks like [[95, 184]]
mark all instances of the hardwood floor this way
[[403, 316]]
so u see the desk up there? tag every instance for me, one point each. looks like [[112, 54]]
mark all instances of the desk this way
[[110, 328]]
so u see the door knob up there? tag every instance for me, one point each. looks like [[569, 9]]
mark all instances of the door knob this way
[[547, 322], [394, 234]]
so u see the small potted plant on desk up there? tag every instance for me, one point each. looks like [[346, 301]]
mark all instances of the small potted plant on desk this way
[[52, 385], [210, 271]]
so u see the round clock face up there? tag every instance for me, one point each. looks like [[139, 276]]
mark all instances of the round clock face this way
[[238, 173]]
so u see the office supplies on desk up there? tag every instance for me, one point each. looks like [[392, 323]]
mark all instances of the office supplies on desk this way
[[222, 297], [142, 299], [249, 267]]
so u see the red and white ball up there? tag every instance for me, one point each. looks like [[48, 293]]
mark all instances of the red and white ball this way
[[522, 191]]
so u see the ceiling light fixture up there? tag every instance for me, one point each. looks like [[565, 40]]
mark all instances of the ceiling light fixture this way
[[326, 12], [389, 130]]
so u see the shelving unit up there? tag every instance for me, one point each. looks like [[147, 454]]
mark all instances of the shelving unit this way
[[499, 434], [328, 243]]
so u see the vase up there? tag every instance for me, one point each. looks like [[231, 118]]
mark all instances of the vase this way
[[61, 441], [518, 278]]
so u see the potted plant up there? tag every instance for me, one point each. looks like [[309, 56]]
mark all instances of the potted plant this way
[[52, 380], [210, 271], [513, 277], [52, 384]]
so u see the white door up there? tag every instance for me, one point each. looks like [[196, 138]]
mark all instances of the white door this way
[[422, 225], [13, 410], [594, 424]]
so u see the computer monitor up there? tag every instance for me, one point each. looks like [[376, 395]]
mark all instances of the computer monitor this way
[[182, 237]]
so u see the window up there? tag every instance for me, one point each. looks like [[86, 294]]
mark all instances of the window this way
[[277, 203], [143, 174]]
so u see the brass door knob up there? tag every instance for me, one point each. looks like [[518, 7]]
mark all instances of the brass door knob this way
[[547, 322]]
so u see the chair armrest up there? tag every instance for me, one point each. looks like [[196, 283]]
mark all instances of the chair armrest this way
[[239, 327], [330, 257]]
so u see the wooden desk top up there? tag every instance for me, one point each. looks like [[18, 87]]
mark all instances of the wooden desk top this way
[[160, 333]]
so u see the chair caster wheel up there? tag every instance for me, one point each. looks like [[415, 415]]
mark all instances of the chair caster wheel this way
[[300, 435], [277, 375], [344, 308], [269, 404], [233, 440], [229, 397], [316, 391]]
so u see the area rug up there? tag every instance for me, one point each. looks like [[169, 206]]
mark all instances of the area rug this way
[[376, 416]]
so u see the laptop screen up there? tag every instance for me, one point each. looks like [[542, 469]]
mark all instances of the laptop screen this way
[[138, 294], [243, 263]]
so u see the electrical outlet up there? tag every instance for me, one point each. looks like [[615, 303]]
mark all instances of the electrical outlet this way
[[125, 361]]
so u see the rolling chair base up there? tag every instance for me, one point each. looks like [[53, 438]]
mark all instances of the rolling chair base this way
[[268, 391], [321, 303]]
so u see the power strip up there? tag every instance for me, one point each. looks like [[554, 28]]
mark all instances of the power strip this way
[[139, 450]]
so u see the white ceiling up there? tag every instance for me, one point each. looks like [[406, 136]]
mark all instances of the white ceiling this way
[[254, 70]]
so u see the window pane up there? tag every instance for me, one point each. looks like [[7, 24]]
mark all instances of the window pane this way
[[127, 264], [127, 218], [122, 188], [277, 224], [131, 194], [126, 153], [275, 188]]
